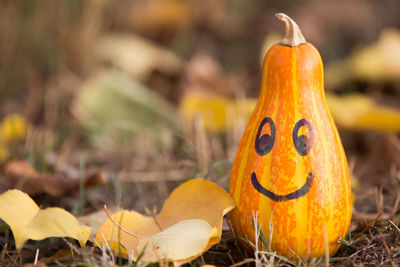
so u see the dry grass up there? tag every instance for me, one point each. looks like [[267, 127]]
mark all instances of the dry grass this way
[[374, 236]]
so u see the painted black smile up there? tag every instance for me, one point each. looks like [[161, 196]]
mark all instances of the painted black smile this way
[[279, 198]]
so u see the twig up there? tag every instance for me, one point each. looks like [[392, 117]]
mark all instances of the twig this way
[[379, 199], [119, 226], [368, 226], [395, 206], [395, 226], [367, 218], [36, 257]]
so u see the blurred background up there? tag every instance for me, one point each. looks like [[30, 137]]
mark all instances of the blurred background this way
[[134, 97], [153, 92], [166, 86]]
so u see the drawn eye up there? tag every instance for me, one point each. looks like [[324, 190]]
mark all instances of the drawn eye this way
[[264, 143], [303, 143]]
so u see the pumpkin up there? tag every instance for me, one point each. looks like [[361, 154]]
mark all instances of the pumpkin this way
[[290, 168]]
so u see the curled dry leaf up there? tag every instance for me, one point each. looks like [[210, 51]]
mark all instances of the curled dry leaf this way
[[189, 223], [23, 176], [28, 221], [178, 241]]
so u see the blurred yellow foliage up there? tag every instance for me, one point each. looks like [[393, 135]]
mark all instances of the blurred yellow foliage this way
[[353, 112], [12, 129], [28, 221], [360, 112], [379, 61], [217, 112], [189, 223]]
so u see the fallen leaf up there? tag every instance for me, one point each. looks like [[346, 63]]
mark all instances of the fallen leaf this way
[[13, 128], [38, 264], [379, 61], [218, 113], [352, 112], [112, 106], [28, 221], [155, 16], [3, 153], [189, 223], [23, 176], [360, 112], [60, 255], [178, 241], [204, 74], [137, 56], [95, 220]]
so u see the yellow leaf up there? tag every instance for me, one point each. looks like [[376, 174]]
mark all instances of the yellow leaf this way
[[376, 62], [219, 113], [13, 128], [353, 111], [190, 207], [379, 61], [28, 221], [360, 112], [3, 153], [178, 241]]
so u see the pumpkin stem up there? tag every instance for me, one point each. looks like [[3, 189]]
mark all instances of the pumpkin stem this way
[[293, 35]]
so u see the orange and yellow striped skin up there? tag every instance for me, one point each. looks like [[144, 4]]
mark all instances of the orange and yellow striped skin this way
[[292, 89]]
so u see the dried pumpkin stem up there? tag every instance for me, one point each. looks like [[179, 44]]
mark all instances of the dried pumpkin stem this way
[[119, 226], [293, 35]]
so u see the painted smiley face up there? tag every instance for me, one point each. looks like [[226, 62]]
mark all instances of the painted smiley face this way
[[302, 144]]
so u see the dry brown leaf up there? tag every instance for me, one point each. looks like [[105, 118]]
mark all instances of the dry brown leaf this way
[[204, 74], [62, 254], [152, 16], [23, 176], [38, 264]]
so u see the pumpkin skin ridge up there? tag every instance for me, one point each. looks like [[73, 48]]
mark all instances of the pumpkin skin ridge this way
[[248, 140], [344, 177], [303, 246]]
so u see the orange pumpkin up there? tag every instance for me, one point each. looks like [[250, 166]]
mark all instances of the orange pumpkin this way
[[290, 166]]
